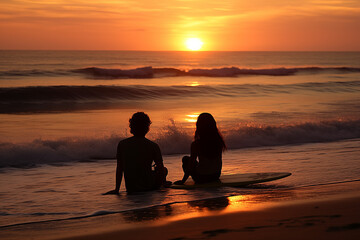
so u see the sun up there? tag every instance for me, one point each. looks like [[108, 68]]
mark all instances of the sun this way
[[194, 44]]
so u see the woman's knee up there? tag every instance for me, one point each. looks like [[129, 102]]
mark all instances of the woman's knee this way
[[166, 171], [188, 165], [185, 159]]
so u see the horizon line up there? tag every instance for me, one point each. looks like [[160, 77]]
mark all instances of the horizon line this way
[[103, 50]]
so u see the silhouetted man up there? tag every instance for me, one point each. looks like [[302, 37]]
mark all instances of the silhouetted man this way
[[135, 156]]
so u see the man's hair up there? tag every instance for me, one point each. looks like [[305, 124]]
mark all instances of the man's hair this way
[[139, 124]]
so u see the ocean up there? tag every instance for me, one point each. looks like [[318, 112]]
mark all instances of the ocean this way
[[62, 114]]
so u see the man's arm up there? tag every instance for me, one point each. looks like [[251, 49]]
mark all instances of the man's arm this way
[[119, 174], [159, 164], [158, 157]]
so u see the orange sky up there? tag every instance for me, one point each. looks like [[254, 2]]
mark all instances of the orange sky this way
[[230, 25]]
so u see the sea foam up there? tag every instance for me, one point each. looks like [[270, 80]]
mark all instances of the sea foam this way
[[172, 140]]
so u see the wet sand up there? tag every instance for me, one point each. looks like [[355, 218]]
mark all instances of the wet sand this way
[[335, 217]]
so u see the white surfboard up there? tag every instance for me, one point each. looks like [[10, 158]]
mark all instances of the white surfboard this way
[[235, 180]]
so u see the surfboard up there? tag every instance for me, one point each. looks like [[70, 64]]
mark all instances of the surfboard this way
[[235, 180]]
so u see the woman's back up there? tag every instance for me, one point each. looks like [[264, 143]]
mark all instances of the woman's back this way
[[210, 160], [207, 149]]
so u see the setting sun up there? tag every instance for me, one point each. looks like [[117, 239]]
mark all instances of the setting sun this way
[[193, 44]]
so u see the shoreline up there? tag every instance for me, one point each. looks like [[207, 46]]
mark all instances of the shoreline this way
[[266, 197], [327, 213], [333, 218]]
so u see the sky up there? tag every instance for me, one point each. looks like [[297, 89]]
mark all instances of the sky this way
[[160, 25]]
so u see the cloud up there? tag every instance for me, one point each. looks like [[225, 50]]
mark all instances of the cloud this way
[[173, 18], [184, 14]]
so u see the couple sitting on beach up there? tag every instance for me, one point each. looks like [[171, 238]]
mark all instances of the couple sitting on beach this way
[[135, 156]]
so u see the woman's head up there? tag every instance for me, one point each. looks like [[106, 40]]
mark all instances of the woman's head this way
[[139, 124], [207, 132], [205, 124]]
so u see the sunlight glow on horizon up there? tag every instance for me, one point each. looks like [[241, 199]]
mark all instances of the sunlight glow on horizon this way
[[194, 44], [193, 84], [229, 25]]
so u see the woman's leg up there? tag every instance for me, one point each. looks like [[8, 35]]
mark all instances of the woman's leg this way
[[189, 167]]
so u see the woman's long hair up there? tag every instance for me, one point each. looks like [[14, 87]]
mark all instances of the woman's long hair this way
[[208, 135]]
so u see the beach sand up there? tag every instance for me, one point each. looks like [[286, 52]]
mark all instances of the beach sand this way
[[337, 217]]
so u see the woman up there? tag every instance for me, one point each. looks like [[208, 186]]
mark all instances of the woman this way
[[207, 147]]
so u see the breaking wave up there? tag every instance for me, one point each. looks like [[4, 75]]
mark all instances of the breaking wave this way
[[172, 140], [152, 72]]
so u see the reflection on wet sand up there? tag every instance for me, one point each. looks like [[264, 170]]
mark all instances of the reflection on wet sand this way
[[205, 207], [214, 204], [148, 214]]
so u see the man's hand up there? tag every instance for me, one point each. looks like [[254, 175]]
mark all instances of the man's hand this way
[[116, 192], [180, 182]]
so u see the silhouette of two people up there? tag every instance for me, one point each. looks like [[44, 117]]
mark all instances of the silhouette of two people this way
[[136, 155]]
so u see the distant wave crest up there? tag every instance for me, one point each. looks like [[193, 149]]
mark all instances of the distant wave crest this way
[[43, 99], [154, 72], [33, 73], [172, 140], [59, 98], [150, 72]]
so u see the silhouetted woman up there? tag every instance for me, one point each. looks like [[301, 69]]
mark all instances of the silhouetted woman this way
[[207, 148]]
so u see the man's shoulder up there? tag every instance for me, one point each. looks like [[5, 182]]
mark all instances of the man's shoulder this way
[[149, 141], [136, 140], [125, 141]]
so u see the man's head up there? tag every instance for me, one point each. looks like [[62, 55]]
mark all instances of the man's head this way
[[139, 124]]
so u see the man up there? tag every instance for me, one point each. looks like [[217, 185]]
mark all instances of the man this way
[[135, 156]]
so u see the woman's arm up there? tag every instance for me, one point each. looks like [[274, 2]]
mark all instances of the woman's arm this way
[[194, 151], [191, 164]]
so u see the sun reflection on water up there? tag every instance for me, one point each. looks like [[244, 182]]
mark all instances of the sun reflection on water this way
[[193, 84], [208, 207], [242, 203]]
